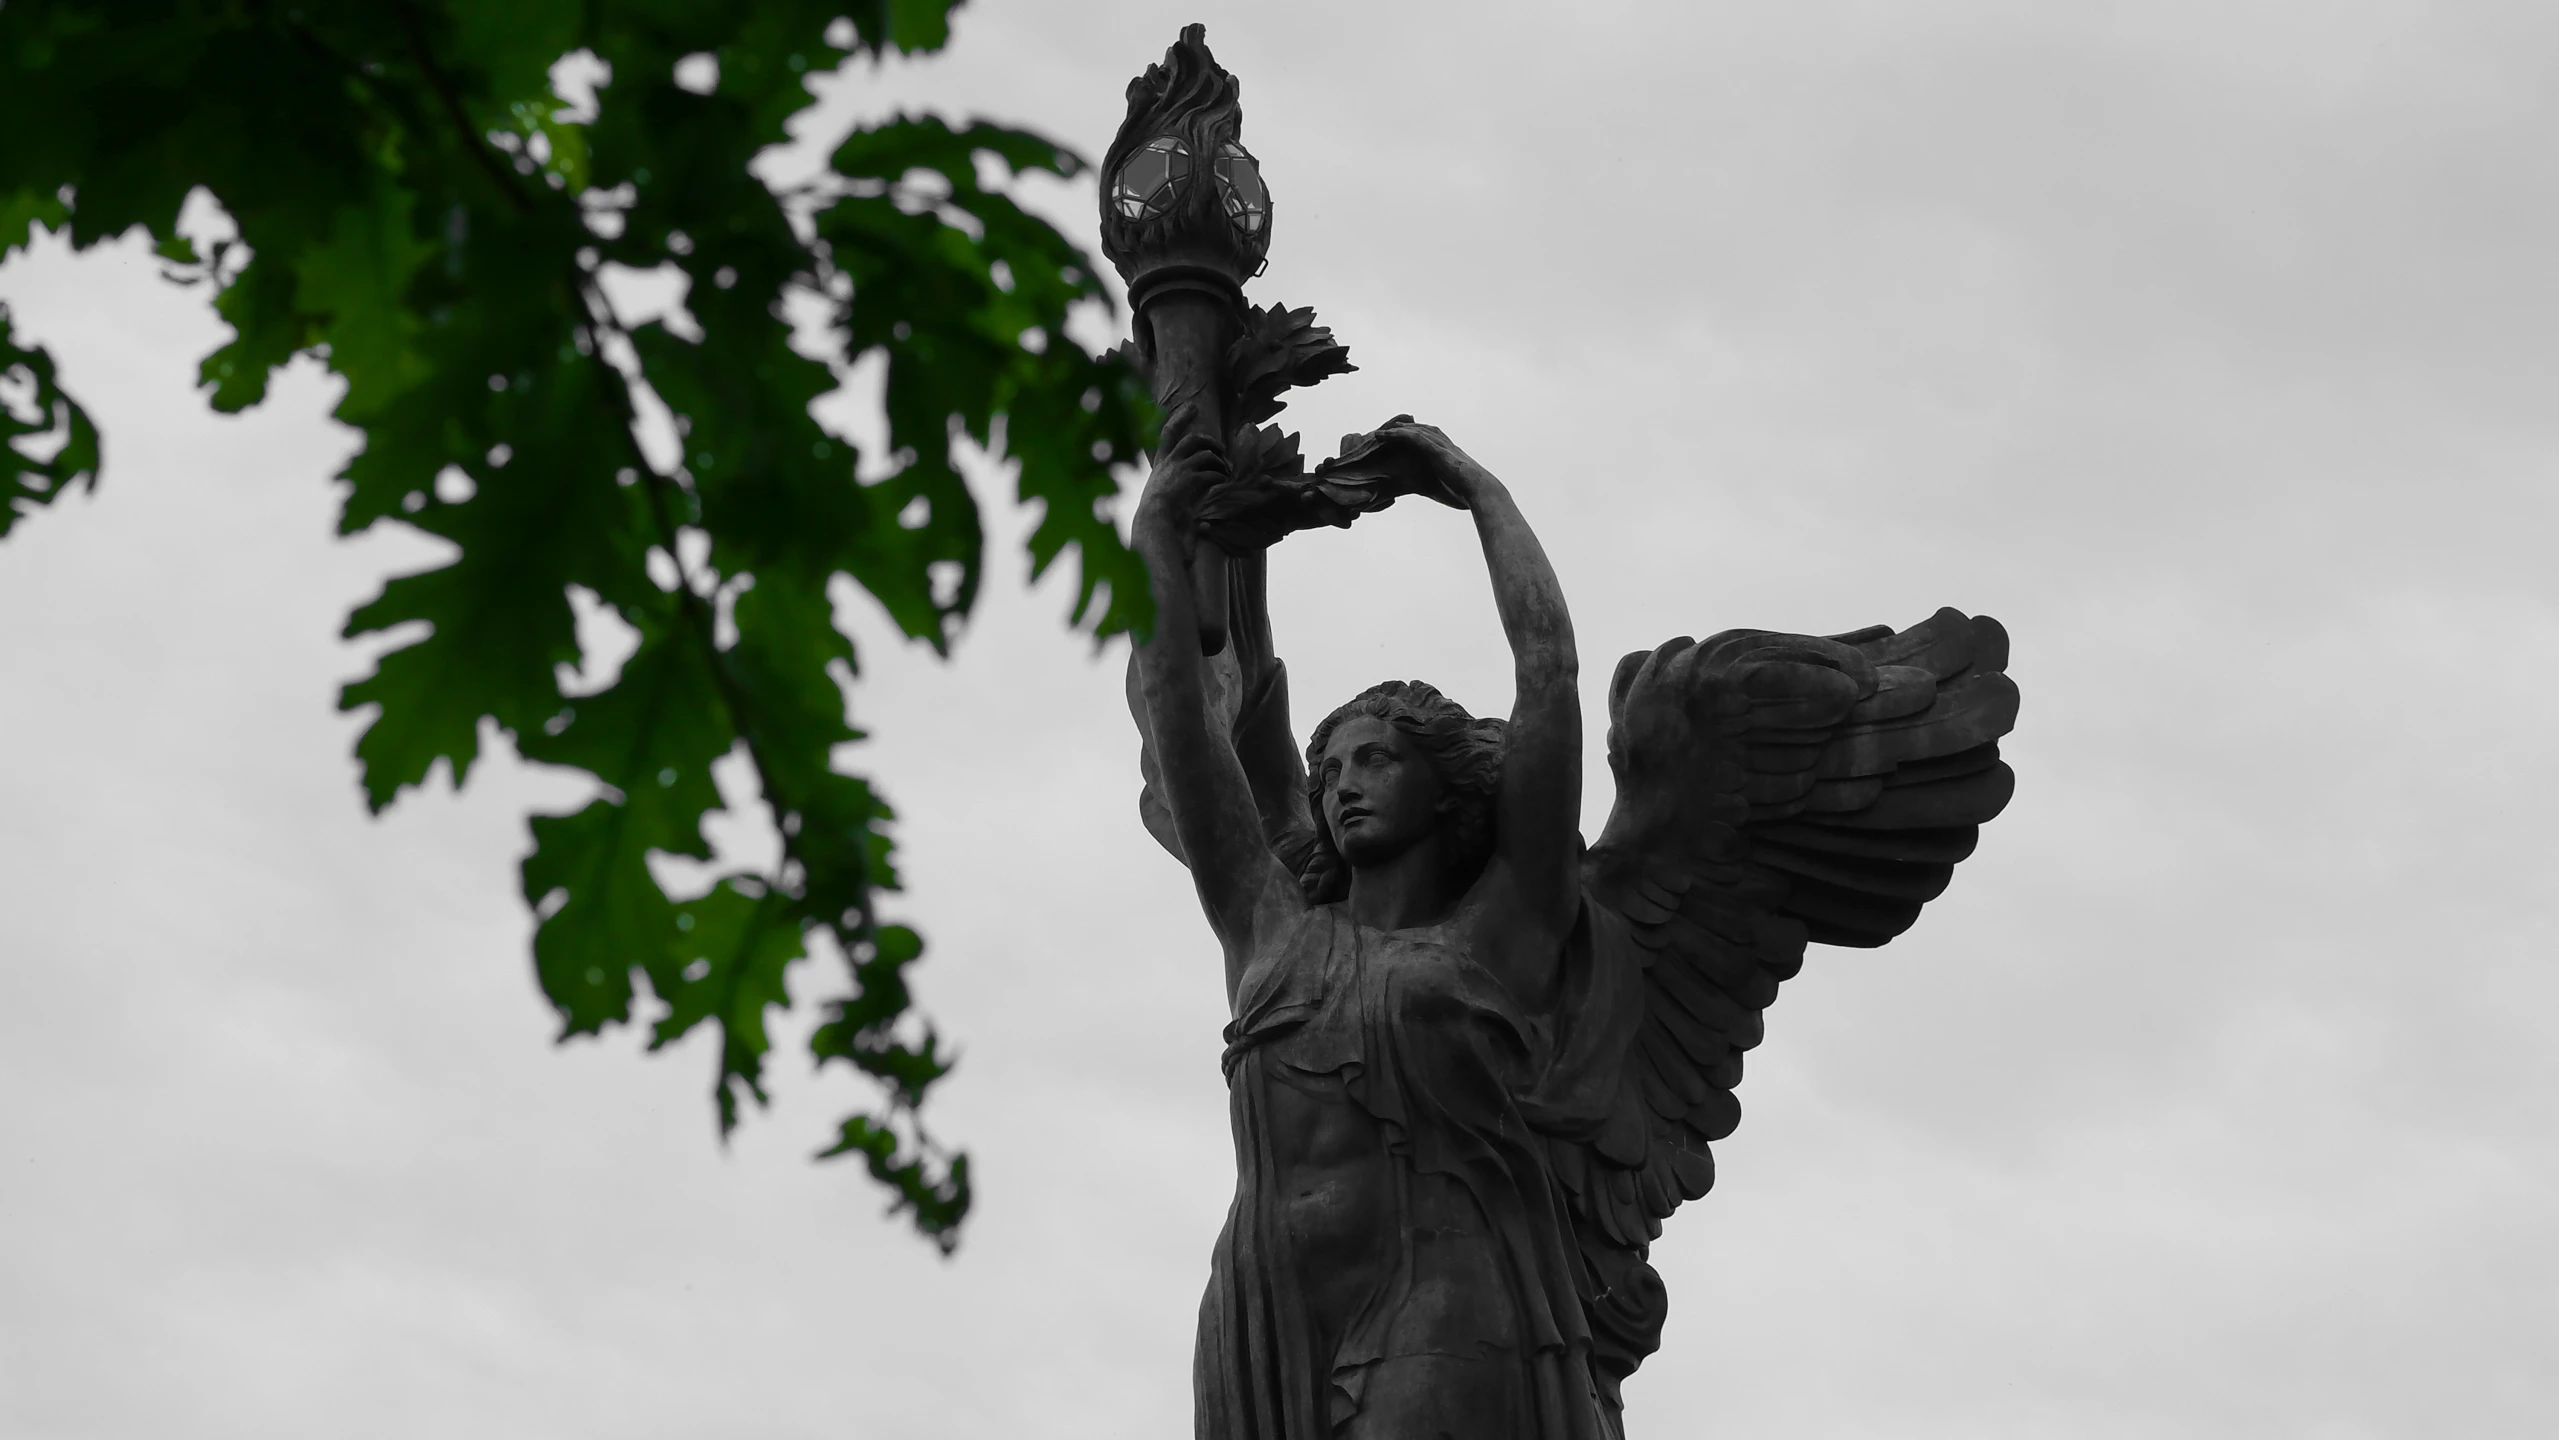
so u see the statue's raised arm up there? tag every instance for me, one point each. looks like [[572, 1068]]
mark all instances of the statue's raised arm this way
[[1246, 892], [1518, 907]]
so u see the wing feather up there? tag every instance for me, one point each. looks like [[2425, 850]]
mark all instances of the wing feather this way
[[1658, 1199], [1695, 1169], [1950, 846], [1878, 879], [1935, 805]]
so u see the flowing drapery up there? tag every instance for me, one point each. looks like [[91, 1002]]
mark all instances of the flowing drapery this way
[[1475, 1321]]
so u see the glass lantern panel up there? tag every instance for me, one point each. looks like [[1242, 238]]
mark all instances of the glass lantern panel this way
[[1242, 180], [1239, 186], [1152, 178]]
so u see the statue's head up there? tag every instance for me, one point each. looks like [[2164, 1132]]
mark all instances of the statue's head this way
[[1399, 765]]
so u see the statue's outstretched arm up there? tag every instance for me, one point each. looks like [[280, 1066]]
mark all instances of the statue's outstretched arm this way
[[1242, 887]]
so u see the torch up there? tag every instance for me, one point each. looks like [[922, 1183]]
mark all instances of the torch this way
[[1186, 221]]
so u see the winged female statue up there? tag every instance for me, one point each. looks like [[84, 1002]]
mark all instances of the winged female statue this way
[[1474, 1064]]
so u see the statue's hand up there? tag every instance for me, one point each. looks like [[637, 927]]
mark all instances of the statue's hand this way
[[1184, 471], [1405, 457]]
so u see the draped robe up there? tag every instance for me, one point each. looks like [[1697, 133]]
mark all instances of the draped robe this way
[[1474, 1320]]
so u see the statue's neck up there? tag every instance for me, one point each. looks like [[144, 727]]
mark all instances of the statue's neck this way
[[1404, 891]]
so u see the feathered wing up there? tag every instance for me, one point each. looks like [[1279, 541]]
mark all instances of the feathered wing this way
[[1771, 790]]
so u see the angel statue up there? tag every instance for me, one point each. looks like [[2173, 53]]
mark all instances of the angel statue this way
[[1474, 1064]]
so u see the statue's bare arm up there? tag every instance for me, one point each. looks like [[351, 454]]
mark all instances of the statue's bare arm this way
[[1538, 821], [1242, 887], [1525, 906], [1263, 741]]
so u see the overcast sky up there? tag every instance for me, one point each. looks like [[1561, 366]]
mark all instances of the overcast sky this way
[[2209, 346]]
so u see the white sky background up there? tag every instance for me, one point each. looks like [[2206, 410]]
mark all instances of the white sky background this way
[[2208, 346]]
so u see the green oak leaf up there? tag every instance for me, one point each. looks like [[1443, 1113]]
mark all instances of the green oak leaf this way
[[47, 442]]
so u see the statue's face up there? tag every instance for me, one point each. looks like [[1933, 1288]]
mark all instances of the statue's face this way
[[1380, 794]]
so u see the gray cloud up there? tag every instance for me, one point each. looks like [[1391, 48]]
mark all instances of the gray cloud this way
[[2205, 345]]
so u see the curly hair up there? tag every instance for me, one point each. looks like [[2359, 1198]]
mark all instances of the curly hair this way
[[1465, 752]]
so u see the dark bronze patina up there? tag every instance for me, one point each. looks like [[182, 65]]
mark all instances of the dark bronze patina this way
[[1474, 1064]]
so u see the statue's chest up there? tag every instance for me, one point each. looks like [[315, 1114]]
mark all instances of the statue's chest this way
[[1378, 1011]]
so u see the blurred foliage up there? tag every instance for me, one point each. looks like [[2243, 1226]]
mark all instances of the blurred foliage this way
[[428, 194]]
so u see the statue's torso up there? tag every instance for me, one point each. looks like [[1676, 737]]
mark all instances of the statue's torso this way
[[1330, 1190], [1392, 1205]]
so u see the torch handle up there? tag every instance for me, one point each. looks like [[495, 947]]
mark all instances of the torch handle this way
[[1192, 331], [1209, 589]]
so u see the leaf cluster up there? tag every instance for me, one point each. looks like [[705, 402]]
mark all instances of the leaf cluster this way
[[427, 197], [47, 442], [1268, 493]]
